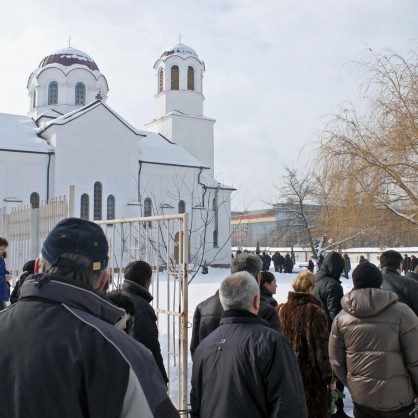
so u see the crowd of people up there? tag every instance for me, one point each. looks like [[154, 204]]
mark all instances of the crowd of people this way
[[70, 348]]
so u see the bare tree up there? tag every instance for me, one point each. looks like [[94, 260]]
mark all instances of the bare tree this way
[[373, 148], [296, 200]]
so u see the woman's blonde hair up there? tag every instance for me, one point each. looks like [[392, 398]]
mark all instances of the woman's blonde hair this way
[[303, 281]]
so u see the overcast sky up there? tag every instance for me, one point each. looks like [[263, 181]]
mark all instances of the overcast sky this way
[[274, 68]]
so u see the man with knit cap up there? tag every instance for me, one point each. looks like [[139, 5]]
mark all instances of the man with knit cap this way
[[373, 348], [61, 354]]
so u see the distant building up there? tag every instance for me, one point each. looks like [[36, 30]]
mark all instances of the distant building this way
[[268, 227]]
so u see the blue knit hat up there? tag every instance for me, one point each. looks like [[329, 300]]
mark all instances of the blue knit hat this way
[[76, 236]]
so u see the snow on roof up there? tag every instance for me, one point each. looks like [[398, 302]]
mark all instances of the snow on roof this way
[[68, 117], [18, 133], [156, 149]]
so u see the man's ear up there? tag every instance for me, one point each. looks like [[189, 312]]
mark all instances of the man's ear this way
[[256, 303], [37, 265], [259, 278], [102, 281]]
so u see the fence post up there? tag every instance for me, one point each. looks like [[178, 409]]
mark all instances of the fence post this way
[[34, 233], [71, 201]]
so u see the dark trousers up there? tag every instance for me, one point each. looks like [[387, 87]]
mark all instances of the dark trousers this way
[[363, 412], [340, 403]]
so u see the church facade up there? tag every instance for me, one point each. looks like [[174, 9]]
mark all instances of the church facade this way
[[72, 137]]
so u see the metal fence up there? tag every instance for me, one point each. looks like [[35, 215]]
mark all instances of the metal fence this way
[[162, 241]]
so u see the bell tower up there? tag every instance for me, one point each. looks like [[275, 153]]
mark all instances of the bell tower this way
[[179, 103]]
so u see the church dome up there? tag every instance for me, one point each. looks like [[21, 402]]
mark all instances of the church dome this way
[[68, 57], [182, 50]]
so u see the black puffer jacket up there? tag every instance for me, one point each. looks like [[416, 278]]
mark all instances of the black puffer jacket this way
[[268, 297], [145, 326], [328, 286], [208, 314], [244, 369], [405, 287]]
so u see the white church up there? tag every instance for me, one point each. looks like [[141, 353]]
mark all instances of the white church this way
[[71, 137]]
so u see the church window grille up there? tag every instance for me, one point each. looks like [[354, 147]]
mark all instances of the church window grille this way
[[175, 77], [84, 206], [190, 78], [80, 94], [182, 206], [161, 81], [53, 93], [97, 201], [110, 207], [147, 208], [34, 200], [215, 238]]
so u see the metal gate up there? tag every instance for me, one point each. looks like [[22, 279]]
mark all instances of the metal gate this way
[[161, 241]]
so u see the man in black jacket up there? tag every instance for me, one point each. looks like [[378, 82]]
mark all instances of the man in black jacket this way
[[136, 285], [61, 354], [329, 291], [208, 313], [243, 368], [405, 287]]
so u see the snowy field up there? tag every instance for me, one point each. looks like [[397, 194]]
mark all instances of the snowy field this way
[[205, 285]]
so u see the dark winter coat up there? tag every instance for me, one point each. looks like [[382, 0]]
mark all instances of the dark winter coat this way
[[145, 328], [347, 266], [328, 287], [4, 288], [208, 314], [288, 265], [268, 297], [246, 370], [412, 275], [406, 264], [62, 356], [373, 349], [405, 287], [266, 262], [304, 323]]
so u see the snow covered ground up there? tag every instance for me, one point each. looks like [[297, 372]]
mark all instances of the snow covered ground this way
[[205, 285]]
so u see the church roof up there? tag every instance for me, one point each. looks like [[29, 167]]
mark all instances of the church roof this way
[[68, 57], [153, 148], [180, 49], [156, 149], [18, 133]]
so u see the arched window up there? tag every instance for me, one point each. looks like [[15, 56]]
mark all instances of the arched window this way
[[147, 207], [215, 238], [34, 99], [97, 201], [190, 78], [53, 93], [161, 81], [80, 94], [174, 77], [34, 200], [111, 207], [182, 206], [84, 206]]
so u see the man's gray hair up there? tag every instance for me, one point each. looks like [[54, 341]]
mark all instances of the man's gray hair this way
[[237, 291], [81, 271], [247, 262]]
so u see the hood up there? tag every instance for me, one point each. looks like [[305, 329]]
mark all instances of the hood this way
[[333, 265], [362, 303]]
